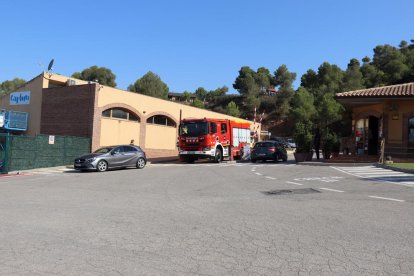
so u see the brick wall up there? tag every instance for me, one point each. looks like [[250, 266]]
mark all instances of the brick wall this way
[[68, 110]]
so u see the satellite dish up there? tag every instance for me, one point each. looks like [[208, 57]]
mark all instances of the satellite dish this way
[[50, 67]]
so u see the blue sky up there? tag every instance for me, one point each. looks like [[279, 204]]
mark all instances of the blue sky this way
[[192, 43]]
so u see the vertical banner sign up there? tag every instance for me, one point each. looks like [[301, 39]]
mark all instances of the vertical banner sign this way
[[51, 139], [20, 98]]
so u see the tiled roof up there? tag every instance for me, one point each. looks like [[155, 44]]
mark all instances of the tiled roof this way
[[399, 90]]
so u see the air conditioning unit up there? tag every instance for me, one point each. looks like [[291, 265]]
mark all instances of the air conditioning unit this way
[[70, 82]]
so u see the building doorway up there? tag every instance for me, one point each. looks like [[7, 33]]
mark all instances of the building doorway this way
[[367, 135], [373, 135]]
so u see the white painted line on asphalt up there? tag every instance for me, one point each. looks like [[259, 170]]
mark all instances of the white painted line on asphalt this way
[[389, 172], [290, 182], [258, 173], [411, 183], [332, 190], [269, 177], [387, 198], [338, 169]]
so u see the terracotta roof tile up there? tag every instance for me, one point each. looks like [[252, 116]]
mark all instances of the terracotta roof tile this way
[[399, 90]]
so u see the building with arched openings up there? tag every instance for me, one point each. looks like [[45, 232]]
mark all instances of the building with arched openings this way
[[60, 105], [382, 113]]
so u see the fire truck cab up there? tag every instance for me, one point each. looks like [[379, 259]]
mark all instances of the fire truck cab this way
[[212, 138]]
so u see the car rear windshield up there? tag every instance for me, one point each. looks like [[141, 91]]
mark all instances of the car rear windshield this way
[[264, 145]]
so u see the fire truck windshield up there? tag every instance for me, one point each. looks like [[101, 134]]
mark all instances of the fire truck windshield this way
[[193, 128]]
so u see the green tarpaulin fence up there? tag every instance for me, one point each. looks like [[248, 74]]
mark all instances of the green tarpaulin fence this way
[[25, 152]]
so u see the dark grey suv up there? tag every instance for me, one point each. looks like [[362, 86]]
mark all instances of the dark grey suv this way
[[105, 158]]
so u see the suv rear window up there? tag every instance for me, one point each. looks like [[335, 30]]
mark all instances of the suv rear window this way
[[264, 145]]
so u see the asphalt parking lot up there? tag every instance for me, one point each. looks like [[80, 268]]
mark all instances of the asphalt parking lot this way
[[208, 219]]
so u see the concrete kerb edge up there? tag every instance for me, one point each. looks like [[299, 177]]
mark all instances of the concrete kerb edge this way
[[353, 164], [384, 166]]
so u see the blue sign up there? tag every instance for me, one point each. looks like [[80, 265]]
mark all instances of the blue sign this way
[[20, 98], [14, 120]]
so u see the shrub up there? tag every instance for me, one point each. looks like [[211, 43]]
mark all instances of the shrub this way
[[303, 137]]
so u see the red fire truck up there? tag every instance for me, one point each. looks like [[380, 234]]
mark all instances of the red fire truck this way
[[212, 138]]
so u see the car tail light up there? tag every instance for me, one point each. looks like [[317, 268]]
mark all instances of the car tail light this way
[[272, 149]]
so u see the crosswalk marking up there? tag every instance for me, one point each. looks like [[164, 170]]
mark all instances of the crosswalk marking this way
[[379, 174]]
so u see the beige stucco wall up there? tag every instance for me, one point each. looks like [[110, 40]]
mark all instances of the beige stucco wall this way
[[160, 137], [147, 105], [115, 132], [155, 136]]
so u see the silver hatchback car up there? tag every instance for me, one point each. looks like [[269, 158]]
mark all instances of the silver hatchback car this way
[[105, 158]]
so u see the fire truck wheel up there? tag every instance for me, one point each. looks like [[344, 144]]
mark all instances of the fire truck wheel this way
[[218, 157]]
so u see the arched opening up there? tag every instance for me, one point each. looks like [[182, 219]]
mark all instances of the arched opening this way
[[119, 125], [120, 113], [161, 120]]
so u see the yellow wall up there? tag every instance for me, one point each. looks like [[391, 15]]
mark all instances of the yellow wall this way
[[167, 134], [378, 108], [114, 132], [394, 130], [156, 136]]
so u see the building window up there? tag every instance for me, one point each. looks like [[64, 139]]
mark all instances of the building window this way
[[161, 120], [411, 130], [120, 113]]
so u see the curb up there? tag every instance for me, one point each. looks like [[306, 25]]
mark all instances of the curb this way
[[314, 163], [394, 168]]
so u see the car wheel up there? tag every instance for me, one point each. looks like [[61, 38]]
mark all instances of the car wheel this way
[[102, 166], [218, 156], [140, 163]]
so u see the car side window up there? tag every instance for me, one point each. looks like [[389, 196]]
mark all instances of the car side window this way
[[117, 150], [129, 149]]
